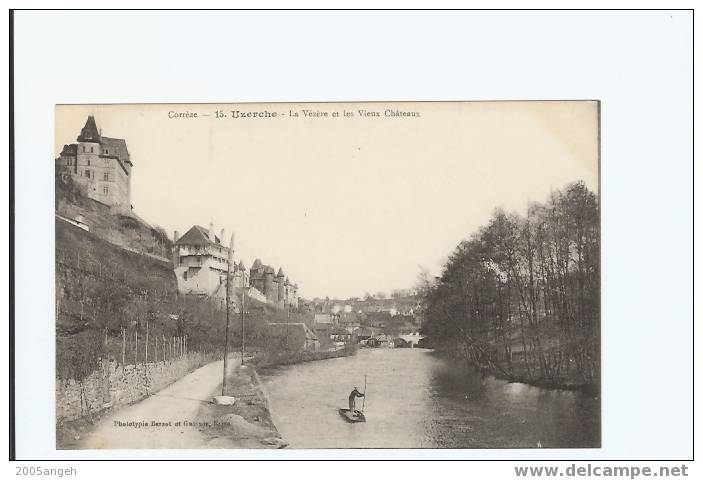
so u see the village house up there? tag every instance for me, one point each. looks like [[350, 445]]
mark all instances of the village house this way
[[348, 320], [324, 319], [339, 334], [363, 334]]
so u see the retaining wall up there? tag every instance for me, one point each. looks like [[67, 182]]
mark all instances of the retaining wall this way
[[113, 385]]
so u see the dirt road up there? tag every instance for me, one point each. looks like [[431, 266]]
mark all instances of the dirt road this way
[[166, 415]]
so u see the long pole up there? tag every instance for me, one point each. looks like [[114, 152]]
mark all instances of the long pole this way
[[229, 266], [363, 401], [244, 294], [124, 343]]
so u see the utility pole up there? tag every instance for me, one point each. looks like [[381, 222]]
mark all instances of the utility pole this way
[[227, 287]]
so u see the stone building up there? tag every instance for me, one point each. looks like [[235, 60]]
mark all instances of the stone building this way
[[276, 287], [200, 263], [101, 165]]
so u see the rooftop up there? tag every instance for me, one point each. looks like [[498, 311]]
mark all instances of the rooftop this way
[[89, 133], [198, 235]]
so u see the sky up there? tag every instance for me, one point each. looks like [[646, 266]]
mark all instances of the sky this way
[[345, 205]]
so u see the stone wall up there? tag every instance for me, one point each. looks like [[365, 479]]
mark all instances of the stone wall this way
[[113, 385]]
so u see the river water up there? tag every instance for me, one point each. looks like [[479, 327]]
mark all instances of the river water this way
[[415, 399]]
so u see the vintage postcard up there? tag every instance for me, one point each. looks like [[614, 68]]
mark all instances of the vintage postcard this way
[[328, 275]]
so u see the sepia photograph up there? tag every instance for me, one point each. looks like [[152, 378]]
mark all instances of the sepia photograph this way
[[328, 275]]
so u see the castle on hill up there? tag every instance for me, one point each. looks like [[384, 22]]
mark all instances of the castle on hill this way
[[101, 165]]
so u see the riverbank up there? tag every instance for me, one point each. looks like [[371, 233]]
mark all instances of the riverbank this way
[[519, 375], [248, 422], [245, 424], [274, 359], [185, 415]]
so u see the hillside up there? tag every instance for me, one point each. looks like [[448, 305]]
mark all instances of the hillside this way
[[128, 231], [86, 263], [107, 298]]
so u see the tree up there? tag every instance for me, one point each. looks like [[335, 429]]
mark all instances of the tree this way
[[526, 286]]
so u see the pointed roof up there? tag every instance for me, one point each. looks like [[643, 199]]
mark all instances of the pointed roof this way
[[280, 273], [116, 147], [197, 235], [257, 264], [89, 133], [241, 265], [71, 150]]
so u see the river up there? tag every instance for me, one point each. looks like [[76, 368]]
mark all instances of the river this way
[[415, 399]]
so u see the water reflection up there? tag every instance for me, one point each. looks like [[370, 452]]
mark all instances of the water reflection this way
[[417, 400]]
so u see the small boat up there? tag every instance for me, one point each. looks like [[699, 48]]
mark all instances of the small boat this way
[[351, 417]]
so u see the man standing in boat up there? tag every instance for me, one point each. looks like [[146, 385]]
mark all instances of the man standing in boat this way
[[352, 399]]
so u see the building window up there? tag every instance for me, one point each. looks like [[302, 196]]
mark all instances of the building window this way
[[68, 161], [83, 148], [87, 173], [89, 163], [106, 176], [198, 259], [91, 149], [185, 275], [105, 190], [107, 152]]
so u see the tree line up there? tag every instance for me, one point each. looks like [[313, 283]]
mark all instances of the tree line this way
[[521, 297]]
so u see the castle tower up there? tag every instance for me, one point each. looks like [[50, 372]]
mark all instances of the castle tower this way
[[281, 280], [243, 275], [101, 165], [269, 291], [256, 275], [286, 292], [88, 155]]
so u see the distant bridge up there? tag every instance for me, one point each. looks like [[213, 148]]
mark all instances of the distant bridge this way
[[412, 338]]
